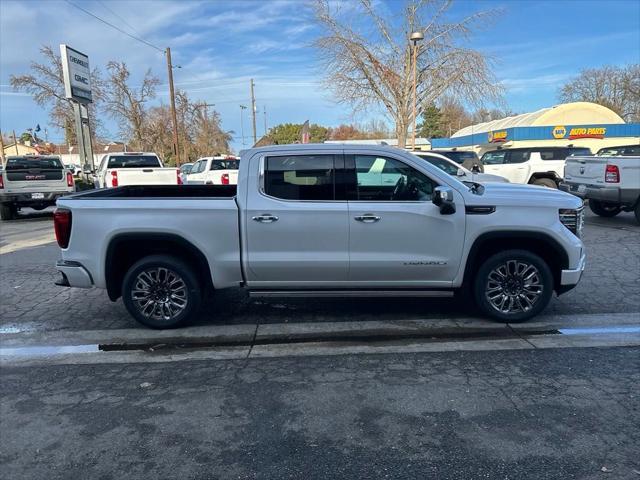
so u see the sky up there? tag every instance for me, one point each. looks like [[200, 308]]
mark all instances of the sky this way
[[220, 45]]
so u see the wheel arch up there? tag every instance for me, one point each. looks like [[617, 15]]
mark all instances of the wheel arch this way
[[127, 248], [542, 244], [551, 175]]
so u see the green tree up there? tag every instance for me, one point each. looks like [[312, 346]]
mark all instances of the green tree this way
[[287, 133], [431, 126], [25, 137]]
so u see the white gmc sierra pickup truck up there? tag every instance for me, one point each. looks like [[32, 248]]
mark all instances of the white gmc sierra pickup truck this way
[[323, 220]]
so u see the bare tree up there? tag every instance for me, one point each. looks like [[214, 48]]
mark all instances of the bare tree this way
[[617, 88], [368, 57], [46, 84], [199, 130], [126, 103]]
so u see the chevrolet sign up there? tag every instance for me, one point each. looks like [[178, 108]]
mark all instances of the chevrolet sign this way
[[76, 74]]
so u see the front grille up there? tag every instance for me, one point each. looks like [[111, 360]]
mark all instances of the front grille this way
[[572, 219]]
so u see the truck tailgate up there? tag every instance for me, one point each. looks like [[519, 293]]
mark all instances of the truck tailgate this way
[[145, 176], [585, 170], [35, 180]]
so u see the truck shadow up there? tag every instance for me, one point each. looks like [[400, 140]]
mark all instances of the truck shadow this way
[[234, 306]]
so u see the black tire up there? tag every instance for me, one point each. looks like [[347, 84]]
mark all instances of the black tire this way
[[7, 212], [604, 209], [512, 289], [545, 182], [637, 211], [189, 291], [39, 207]]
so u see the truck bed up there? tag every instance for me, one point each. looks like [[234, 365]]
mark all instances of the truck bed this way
[[162, 191]]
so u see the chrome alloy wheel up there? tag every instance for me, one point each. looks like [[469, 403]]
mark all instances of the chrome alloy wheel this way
[[159, 293], [514, 287]]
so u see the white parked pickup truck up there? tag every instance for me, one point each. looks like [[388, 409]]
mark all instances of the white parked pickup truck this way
[[314, 220], [610, 183], [134, 168], [220, 170]]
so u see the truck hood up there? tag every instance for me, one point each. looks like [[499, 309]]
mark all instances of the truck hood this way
[[511, 194]]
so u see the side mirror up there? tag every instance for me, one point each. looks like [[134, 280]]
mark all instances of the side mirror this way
[[460, 173], [443, 198], [86, 169], [475, 168]]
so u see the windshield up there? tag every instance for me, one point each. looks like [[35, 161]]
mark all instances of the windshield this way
[[134, 161], [19, 163], [459, 157], [444, 165], [225, 164], [624, 151]]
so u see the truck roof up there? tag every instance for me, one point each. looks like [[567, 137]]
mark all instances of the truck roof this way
[[302, 147]]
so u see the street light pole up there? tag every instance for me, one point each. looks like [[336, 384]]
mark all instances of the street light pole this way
[[415, 38], [174, 118], [253, 111]]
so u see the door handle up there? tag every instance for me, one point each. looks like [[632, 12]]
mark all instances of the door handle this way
[[368, 218], [265, 218]]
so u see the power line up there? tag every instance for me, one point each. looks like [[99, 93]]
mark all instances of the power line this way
[[115, 27], [118, 16]]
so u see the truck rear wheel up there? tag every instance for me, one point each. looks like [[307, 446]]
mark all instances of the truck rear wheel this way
[[604, 209], [7, 212], [161, 291], [513, 286], [545, 182]]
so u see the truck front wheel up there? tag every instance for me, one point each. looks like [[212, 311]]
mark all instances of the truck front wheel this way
[[513, 286], [604, 209], [161, 291]]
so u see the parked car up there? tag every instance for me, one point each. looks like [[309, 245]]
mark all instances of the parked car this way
[[185, 169], [456, 170], [74, 168], [621, 151], [610, 183], [467, 159], [219, 170], [134, 168], [543, 166], [303, 222], [34, 181]]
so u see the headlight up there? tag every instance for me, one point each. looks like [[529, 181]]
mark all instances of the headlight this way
[[573, 219]]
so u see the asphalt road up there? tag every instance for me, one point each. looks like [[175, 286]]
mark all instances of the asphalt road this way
[[29, 301], [509, 404], [536, 414]]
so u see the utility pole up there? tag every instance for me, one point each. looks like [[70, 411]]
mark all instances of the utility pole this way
[[242, 108], [15, 142], [2, 149], [174, 118], [265, 120], [253, 111]]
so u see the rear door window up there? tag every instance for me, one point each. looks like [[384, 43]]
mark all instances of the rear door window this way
[[517, 156], [300, 177], [494, 158]]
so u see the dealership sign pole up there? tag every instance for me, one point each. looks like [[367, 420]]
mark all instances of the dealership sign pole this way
[[77, 88]]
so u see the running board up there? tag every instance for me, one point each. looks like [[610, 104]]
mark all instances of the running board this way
[[351, 293]]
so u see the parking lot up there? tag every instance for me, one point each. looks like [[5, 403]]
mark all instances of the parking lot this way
[[351, 388], [31, 302]]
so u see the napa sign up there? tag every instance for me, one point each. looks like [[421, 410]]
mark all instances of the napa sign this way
[[574, 133]]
